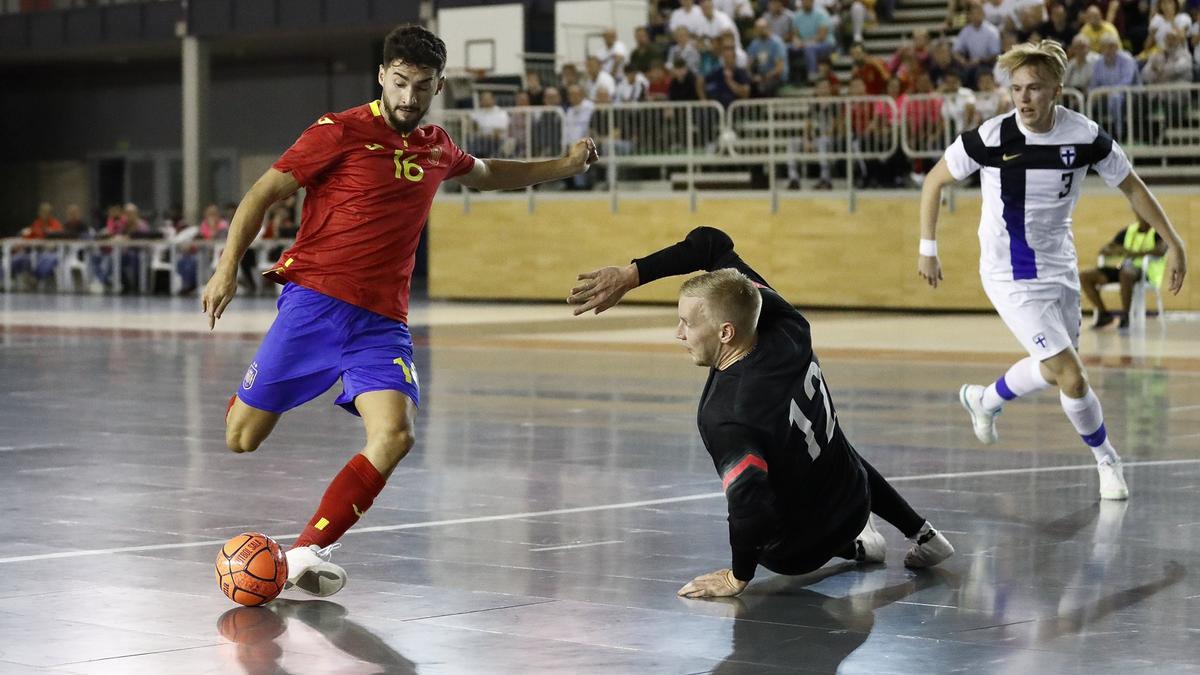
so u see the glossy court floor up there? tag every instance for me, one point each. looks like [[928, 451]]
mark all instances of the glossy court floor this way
[[559, 496]]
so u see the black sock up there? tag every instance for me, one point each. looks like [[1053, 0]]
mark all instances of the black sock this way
[[889, 505]]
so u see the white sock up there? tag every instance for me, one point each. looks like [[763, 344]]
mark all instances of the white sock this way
[[1024, 377], [1088, 419]]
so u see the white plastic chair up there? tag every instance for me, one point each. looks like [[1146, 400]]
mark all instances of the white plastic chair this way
[[1137, 305]]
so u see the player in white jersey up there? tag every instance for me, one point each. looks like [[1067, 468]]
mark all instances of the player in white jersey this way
[[1032, 162]]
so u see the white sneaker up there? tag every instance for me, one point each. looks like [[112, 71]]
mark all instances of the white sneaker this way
[[309, 570], [982, 419], [1112, 481], [929, 549], [870, 546]]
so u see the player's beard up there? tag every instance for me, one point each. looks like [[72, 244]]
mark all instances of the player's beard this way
[[403, 122]]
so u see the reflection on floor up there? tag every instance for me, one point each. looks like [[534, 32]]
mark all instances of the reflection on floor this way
[[559, 496]]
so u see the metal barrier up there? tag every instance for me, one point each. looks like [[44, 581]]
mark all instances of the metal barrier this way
[[1073, 99], [1153, 121]]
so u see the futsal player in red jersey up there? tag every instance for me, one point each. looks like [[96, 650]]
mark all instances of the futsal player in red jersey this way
[[370, 175]]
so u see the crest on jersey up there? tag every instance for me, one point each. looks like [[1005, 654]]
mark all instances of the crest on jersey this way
[[1067, 154], [251, 373], [435, 155]]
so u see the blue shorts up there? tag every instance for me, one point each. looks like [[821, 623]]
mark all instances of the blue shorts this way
[[316, 339]]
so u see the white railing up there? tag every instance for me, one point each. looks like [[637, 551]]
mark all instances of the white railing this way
[[1155, 121]]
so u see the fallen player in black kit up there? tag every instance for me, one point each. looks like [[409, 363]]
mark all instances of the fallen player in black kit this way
[[799, 495]]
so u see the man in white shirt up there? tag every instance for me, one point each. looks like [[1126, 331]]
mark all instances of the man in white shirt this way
[[977, 44], [686, 16], [958, 103], [598, 78], [614, 56], [1031, 163], [713, 24], [491, 122], [578, 115], [632, 87]]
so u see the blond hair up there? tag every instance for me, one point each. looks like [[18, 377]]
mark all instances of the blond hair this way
[[1047, 56], [729, 296]]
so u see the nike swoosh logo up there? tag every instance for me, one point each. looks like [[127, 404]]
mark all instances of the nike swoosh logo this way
[[356, 511], [325, 120], [1010, 157], [374, 146]]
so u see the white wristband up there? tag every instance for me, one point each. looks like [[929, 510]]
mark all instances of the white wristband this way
[[928, 247]]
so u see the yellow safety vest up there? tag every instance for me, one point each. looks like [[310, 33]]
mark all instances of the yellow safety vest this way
[[1142, 242]]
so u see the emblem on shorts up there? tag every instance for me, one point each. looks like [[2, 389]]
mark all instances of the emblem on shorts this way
[[251, 373], [1039, 340], [1067, 154]]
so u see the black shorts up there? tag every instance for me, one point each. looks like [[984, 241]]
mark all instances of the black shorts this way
[[802, 549], [1113, 274]]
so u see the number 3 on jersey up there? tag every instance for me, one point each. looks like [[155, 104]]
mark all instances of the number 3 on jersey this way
[[407, 168], [812, 383]]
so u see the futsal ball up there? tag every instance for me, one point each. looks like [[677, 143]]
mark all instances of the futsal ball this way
[[251, 569]]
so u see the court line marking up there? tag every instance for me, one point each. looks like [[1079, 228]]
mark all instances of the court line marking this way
[[570, 510], [567, 546]]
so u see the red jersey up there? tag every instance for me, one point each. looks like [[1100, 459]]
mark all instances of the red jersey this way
[[368, 193]]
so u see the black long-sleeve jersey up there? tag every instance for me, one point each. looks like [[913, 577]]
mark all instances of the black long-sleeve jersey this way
[[768, 420]]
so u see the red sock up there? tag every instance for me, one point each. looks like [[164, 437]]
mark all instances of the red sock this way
[[349, 496]]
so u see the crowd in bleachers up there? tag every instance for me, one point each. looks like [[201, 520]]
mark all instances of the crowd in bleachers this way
[[121, 248], [731, 50]]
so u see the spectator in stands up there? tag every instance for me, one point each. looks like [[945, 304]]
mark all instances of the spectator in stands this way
[[1081, 64], [136, 227], [1095, 27], [1029, 23], [685, 49], [1115, 68], [893, 171], [977, 44], [1000, 14], [1167, 19], [731, 40], [1008, 39], [577, 121], [645, 52], [686, 16], [632, 88], [520, 123], [925, 126], [614, 56], [489, 124], [598, 78], [660, 82], [914, 51], [547, 127], [1134, 244], [729, 82], [568, 77], [1170, 65], [713, 24], [44, 224], [100, 263], [1058, 27], [1131, 19], [74, 226], [958, 104], [826, 72], [812, 35], [213, 226], [737, 10], [989, 100], [941, 61], [822, 128], [779, 17], [533, 88], [768, 59], [685, 86], [22, 262], [871, 70]]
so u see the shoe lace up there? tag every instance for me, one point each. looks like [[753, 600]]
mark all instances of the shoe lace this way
[[324, 553]]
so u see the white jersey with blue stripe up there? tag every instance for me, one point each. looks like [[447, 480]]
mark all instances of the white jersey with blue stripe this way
[[1030, 184]]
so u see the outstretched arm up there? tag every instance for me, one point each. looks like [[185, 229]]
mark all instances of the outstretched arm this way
[[1145, 205], [508, 174], [705, 248]]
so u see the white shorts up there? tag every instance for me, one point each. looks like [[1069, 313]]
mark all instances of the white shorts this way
[[1043, 314]]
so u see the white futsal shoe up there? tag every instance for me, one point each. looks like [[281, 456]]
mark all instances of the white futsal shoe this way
[[982, 419], [929, 548], [309, 570], [1112, 481], [870, 546]]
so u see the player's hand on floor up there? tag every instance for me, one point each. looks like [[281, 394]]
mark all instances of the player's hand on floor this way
[[582, 154], [1176, 269], [218, 292], [719, 584], [603, 288], [929, 268]]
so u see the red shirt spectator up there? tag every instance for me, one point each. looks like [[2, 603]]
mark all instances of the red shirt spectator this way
[[44, 224]]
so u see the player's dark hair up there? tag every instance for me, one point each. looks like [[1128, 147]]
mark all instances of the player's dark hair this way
[[416, 46]]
